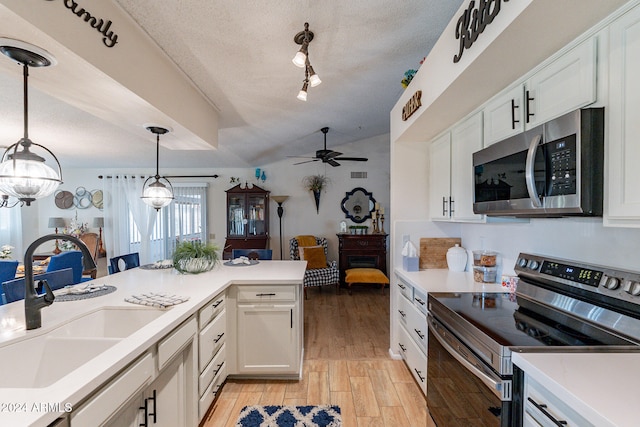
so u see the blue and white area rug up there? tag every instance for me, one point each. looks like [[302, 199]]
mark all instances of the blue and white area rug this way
[[290, 416]]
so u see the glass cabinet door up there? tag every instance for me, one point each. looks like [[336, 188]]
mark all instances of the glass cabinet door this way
[[256, 215], [237, 217]]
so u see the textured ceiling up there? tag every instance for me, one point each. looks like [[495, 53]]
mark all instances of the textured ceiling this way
[[238, 54]]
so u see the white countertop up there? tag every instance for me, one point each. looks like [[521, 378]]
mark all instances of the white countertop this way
[[443, 280], [602, 387], [74, 387]]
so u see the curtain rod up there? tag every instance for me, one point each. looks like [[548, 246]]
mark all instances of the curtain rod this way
[[166, 176]]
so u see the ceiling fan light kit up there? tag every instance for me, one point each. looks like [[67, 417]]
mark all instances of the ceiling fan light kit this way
[[23, 173], [158, 193], [301, 60]]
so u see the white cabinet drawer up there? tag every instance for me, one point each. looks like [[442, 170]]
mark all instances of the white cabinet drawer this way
[[211, 339], [414, 358], [211, 310], [211, 392], [212, 369], [420, 300], [404, 306], [547, 409], [405, 289], [170, 345], [266, 294], [417, 327], [111, 397]]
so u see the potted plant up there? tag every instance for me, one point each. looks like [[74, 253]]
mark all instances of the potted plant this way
[[193, 256], [315, 183]]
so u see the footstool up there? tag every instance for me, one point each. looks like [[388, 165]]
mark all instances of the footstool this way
[[365, 275]]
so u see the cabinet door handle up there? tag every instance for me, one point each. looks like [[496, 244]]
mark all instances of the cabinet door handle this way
[[402, 313], [444, 206], [145, 408], [514, 107], [420, 334], [266, 295], [543, 408], [155, 408], [528, 112], [218, 338], [451, 210], [291, 311], [217, 303], [419, 375], [401, 286], [403, 348]]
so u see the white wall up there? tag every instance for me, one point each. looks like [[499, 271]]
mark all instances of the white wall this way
[[283, 178]]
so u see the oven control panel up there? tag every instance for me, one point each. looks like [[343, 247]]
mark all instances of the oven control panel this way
[[620, 284]]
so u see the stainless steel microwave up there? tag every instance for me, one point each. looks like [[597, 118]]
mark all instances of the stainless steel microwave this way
[[555, 169]]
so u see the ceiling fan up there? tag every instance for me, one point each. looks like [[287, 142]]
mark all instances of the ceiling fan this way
[[329, 156]]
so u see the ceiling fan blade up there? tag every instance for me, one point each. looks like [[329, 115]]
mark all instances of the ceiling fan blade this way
[[306, 161], [301, 157], [332, 162], [352, 159], [332, 154]]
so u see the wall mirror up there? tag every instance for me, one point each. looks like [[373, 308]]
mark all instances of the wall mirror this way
[[358, 204]]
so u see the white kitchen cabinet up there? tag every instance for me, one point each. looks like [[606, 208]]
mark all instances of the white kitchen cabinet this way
[[212, 337], [269, 330], [144, 395], [543, 408], [622, 205], [451, 178], [564, 84], [412, 333]]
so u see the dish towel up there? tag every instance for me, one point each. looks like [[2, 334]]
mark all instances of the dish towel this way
[[153, 299]]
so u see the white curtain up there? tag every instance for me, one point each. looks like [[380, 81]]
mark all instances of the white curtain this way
[[11, 229], [122, 199], [187, 214]]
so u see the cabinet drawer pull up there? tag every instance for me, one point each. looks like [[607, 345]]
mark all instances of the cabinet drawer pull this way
[[217, 303], [528, 112], [451, 210], [514, 107], [402, 313], [401, 286], [266, 295], [219, 366], [403, 348], [444, 206], [215, 390], [419, 300], [543, 408], [419, 376], [420, 334], [218, 338]]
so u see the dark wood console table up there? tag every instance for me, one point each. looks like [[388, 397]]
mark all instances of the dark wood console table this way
[[362, 251]]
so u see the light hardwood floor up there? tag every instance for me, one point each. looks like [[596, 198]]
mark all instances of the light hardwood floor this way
[[346, 363]]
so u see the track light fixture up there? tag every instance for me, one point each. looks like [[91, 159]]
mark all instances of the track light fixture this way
[[301, 60], [23, 173], [158, 193]]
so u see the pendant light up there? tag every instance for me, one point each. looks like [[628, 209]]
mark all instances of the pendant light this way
[[301, 60], [23, 173], [158, 193]]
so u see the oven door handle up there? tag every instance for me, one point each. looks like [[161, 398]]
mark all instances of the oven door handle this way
[[529, 174], [496, 386]]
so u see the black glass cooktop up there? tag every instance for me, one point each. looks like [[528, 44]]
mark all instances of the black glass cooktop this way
[[513, 322]]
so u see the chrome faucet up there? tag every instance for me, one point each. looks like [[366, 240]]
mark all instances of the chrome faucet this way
[[34, 303]]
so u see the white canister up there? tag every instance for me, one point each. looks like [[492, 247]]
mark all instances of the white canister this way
[[457, 258]]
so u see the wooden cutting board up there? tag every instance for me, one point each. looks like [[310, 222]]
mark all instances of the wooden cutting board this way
[[433, 251]]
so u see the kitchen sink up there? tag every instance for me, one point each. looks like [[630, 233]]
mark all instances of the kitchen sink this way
[[108, 322], [46, 358]]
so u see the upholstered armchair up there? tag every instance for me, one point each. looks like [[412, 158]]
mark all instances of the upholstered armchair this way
[[329, 275]]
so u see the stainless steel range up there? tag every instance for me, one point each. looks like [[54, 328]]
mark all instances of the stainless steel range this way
[[559, 305]]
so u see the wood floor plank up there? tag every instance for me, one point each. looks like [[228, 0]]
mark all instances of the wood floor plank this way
[[221, 412], [244, 399], [364, 397], [273, 394], [318, 391], [398, 371], [339, 376], [414, 403], [370, 422], [344, 399], [394, 416], [386, 394]]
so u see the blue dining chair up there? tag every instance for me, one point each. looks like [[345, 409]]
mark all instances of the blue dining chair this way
[[8, 270], [70, 259], [124, 262], [252, 253], [14, 289]]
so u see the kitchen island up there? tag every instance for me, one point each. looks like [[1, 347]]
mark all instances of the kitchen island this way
[[43, 404]]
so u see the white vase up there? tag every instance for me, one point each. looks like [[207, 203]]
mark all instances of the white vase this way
[[457, 258]]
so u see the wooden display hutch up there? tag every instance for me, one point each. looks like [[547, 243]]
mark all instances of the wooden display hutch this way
[[247, 219], [362, 251]]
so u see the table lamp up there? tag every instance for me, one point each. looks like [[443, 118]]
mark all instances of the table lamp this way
[[56, 222]]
